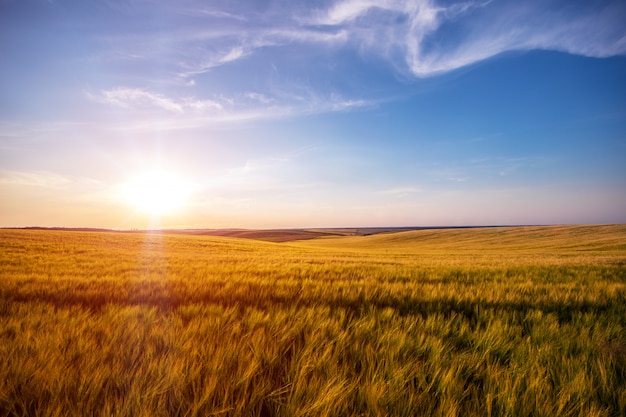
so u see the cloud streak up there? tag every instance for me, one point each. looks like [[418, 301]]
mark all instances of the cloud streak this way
[[434, 38], [190, 111], [302, 45], [139, 99], [496, 29]]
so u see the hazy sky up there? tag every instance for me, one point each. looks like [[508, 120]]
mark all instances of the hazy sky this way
[[313, 113]]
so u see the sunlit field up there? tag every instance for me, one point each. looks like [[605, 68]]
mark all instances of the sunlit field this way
[[462, 322]]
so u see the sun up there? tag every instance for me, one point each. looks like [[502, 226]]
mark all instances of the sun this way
[[156, 193]]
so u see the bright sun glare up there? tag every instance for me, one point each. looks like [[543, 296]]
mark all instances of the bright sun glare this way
[[156, 192]]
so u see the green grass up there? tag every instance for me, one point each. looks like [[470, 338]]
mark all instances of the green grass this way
[[501, 322]]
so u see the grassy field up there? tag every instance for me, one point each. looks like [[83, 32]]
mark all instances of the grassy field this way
[[469, 322]]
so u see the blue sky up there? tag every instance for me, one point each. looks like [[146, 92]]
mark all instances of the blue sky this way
[[313, 114]]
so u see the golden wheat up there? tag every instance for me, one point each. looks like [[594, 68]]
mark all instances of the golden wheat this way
[[503, 321]]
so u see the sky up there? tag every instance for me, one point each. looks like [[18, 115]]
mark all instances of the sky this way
[[288, 114]]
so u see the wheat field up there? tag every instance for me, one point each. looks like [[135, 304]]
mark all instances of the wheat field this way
[[525, 321]]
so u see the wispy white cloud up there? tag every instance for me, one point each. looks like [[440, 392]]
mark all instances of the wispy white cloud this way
[[213, 60], [137, 98], [201, 105], [282, 36], [261, 98], [435, 38], [339, 104], [152, 109], [346, 11], [204, 11], [419, 38], [425, 37], [236, 45]]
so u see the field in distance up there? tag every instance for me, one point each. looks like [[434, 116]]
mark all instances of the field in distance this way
[[490, 321], [268, 235]]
